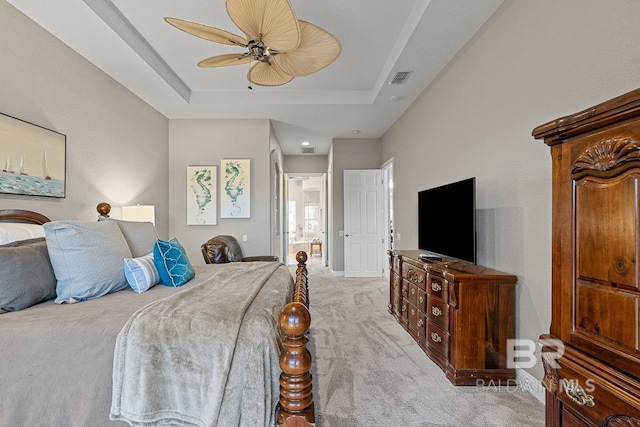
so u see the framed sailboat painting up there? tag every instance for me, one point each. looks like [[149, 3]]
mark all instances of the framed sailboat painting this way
[[33, 159]]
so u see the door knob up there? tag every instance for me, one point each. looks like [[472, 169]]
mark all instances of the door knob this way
[[347, 235]]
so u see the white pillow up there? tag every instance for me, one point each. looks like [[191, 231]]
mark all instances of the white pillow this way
[[14, 231], [141, 273]]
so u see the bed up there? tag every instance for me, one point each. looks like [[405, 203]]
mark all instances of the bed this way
[[227, 348]]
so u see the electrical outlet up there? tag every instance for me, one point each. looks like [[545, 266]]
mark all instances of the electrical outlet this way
[[399, 236], [244, 237]]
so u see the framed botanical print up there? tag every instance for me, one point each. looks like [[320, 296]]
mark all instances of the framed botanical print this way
[[235, 188], [201, 195]]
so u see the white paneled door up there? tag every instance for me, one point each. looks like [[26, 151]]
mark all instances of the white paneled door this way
[[363, 231]]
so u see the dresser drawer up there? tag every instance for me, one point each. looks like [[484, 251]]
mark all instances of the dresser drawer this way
[[413, 315], [397, 283], [421, 302], [417, 323], [594, 391], [437, 338], [397, 304], [437, 312], [413, 295], [421, 326], [437, 286], [414, 274], [404, 315]]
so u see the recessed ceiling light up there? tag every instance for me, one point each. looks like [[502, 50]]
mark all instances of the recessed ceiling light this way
[[355, 131], [397, 98], [305, 142]]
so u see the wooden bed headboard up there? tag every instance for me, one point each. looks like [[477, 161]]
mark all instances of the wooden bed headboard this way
[[20, 215]]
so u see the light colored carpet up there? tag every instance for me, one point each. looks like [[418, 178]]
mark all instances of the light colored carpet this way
[[368, 371]]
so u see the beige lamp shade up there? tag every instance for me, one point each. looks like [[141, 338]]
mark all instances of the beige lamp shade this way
[[139, 213]]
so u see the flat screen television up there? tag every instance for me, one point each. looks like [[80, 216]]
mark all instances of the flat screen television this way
[[447, 220]]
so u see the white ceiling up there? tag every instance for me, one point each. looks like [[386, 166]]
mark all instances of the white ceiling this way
[[131, 42]]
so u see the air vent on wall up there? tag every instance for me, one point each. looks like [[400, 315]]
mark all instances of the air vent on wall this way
[[308, 150], [400, 77]]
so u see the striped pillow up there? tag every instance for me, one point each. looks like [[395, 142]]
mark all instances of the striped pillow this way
[[141, 273]]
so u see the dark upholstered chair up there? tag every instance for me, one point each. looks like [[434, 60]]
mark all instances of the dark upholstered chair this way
[[223, 249]]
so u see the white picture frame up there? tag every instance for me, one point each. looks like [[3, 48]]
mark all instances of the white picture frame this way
[[202, 195], [235, 188]]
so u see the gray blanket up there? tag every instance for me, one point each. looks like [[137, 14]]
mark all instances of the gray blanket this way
[[56, 361], [206, 356]]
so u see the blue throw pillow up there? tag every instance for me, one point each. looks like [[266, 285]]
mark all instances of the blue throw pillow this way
[[172, 263]]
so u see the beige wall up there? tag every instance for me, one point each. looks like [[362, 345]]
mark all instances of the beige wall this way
[[305, 164], [206, 142], [117, 147], [531, 63], [347, 153]]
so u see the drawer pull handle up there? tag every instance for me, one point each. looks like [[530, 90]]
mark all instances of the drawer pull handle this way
[[435, 287], [578, 395], [421, 299], [413, 312], [435, 337], [420, 323], [414, 277], [436, 311], [404, 308], [413, 291]]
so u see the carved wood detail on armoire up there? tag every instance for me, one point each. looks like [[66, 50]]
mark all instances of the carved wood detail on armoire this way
[[591, 355]]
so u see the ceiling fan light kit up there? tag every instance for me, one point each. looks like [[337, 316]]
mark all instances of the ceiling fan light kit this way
[[278, 46]]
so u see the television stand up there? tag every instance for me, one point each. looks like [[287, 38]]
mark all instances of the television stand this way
[[461, 315]]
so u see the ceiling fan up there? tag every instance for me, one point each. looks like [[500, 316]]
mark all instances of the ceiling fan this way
[[279, 46]]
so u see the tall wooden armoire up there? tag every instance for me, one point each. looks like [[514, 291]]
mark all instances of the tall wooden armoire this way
[[592, 353]]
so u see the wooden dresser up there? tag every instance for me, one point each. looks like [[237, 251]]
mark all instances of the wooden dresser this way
[[461, 315], [592, 353]]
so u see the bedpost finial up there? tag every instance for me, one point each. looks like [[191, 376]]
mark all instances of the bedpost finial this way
[[301, 257], [103, 209], [295, 319]]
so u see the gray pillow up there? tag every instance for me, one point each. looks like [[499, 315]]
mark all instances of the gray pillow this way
[[87, 258], [26, 275], [140, 236]]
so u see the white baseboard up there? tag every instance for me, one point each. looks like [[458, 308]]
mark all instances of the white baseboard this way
[[338, 273], [529, 383]]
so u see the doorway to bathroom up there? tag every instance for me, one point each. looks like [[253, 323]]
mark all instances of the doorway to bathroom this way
[[306, 217]]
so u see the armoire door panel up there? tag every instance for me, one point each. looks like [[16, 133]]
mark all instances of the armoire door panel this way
[[606, 230], [601, 312]]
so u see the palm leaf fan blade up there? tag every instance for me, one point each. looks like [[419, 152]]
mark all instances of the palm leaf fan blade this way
[[208, 33], [225, 60], [317, 49], [273, 20], [264, 74]]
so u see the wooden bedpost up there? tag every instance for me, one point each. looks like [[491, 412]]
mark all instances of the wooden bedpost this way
[[296, 394]]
